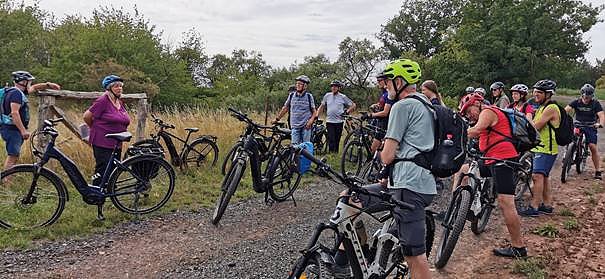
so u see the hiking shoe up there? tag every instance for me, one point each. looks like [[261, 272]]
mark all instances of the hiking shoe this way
[[546, 209], [340, 271], [529, 212], [511, 252], [597, 175]]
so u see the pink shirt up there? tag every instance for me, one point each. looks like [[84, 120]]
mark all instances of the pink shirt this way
[[107, 119]]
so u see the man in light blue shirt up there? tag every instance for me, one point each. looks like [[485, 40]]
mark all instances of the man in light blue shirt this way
[[336, 104], [301, 106]]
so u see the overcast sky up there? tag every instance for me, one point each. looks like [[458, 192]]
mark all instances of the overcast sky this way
[[284, 31]]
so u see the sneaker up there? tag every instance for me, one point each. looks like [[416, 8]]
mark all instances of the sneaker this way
[[530, 212], [511, 252], [597, 175], [340, 271], [546, 209]]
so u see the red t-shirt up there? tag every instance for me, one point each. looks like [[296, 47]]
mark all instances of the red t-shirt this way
[[494, 144]]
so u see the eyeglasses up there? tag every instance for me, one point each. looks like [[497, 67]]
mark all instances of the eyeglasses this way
[[495, 89]]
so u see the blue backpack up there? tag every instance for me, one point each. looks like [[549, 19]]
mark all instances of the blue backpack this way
[[6, 118]]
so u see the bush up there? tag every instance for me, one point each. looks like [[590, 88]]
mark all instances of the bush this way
[[601, 82]]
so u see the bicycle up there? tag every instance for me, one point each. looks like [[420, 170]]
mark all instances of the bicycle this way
[[576, 153], [275, 182], [357, 156], [201, 152], [319, 137], [381, 258], [474, 202], [34, 196], [523, 180]]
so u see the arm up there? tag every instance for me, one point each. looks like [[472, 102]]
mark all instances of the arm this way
[[88, 118], [43, 86], [351, 108], [568, 109], [384, 113], [17, 120], [548, 115], [319, 109], [281, 113], [601, 115], [487, 118], [388, 151]]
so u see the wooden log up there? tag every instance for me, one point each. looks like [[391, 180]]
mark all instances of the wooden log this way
[[44, 112], [142, 111], [86, 95], [69, 124]]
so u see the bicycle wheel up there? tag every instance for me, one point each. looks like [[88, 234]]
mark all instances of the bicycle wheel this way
[[45, 205], [231, 155], [228, 187], [202, 152], [311, 267], [354, 155], [582, 156], [453, 224], [479, 223], [568, 160], [321, 144], [285, 178], [142, 184]]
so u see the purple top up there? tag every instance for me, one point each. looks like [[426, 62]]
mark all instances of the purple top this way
[[107, 119]]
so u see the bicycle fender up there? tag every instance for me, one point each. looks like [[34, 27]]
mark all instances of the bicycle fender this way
[[208, 137]]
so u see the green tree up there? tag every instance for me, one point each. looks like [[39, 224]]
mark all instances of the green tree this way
[[359, 60], [193, 52]]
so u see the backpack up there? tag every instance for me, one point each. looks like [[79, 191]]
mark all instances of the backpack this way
[[6, 118], [290, 107], [449, 151], [524, 135], [564, 134]]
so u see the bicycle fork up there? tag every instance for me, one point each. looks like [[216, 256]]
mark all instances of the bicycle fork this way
[[30, 198]]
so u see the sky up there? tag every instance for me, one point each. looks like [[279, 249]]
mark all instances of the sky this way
[[284, 31]]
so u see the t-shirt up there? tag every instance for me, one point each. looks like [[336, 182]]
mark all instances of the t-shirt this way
[[586, 112], [525, 108], [502, 101], [411, 121], [107, 119], [384, 100], [300, 109], [335, 106], [14, 95]]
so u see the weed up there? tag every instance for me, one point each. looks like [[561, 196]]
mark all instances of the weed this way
[[571, 224], [533, 268], [592, 200], [547, 230], [567, 212]]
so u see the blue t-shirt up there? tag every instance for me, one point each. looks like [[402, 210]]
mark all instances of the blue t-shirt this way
[[335, 106], [301, 108], [14, 95], [586, 112]]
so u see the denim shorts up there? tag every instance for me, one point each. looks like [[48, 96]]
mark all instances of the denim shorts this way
[[543, 163], [13, 140]]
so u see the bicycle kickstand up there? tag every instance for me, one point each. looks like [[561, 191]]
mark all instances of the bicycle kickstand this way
[[293, 200], [268, 201], [100, 215]]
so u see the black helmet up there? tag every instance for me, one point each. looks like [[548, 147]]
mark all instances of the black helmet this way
[[336, 83], [546, 85], [19, 76], [587, 90], [496, 85], [304, 79]]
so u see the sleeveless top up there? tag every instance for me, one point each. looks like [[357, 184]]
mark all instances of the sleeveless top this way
[[494, 144], [547, 134]]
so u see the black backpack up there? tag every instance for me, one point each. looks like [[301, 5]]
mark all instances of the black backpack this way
[[564, 134], [449, 152], [524, 135]]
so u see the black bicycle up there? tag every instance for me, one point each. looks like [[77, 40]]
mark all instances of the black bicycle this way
[[577, 152], [357, 156], [201, 152], [32, 195], [523, 180], [319, 137], [280, 178]]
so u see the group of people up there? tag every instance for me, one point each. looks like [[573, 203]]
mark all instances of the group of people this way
[[106, 115]]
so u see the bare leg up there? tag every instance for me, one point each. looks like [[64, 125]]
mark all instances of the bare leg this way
[[596, 159], [547, 192], [419, 266], [463, 169], [511, 219], [10, 161], [538, 189]]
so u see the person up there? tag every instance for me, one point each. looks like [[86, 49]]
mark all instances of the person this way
[[335, 104], [106, 115], [546, 119], [15, 115], [468, 90], [492, 128], [499, 97], [301, 106], [410, 132], [383, 109], [429, 89], [480, 91], [588, 109], [519, 94]]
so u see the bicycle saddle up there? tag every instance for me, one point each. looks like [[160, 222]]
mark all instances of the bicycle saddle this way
[[123, 136], [192, 129]]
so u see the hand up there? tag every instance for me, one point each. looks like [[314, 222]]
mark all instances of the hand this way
[[366, 116], [25, 135], [309, 124], [597, 125], [374, 107], [53, 86], [275, 121]]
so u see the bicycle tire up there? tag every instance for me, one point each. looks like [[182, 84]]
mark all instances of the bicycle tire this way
[[202, 152], [567, 162], [146, 184], [230, 183], [231, 155], [353, 155], [479, 223], [311, 265], [284, 170], [581, 160], [449, 237], [13, 190], [321, 144]]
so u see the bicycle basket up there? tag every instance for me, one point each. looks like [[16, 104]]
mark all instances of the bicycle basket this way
[[145, 169]]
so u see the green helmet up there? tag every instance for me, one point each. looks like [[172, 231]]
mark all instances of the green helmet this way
[[407, 69]]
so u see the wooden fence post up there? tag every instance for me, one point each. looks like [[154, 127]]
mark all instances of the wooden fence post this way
[[141, 119], [44, 112]]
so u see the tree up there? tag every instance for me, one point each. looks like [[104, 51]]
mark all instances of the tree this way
[[192, 52], [358, 60], [242, 73]]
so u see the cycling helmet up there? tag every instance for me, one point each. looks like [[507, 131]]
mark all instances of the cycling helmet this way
[[108, 80], [381, 76], [304, 79], [404, 68], [546, 85], [587, 90], [336, 83], [469, 90], [496, 85], [480, 90], [521, 88], [19, 76], [469, 100]]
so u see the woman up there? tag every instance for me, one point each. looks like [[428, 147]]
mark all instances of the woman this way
[[519, 94], [107, 115], [429, 89]]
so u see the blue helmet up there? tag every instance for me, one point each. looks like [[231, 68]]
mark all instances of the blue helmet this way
[[109, 80]]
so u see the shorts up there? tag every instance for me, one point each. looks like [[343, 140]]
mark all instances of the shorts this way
[[12, 138], [543, 163], [590, 134], [410, 225]]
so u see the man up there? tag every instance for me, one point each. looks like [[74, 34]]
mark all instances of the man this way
[[546, 119], [492, 129], [587, 109], [336, 104], [383, 109], [15, 113], [499, 98], [301, 106]]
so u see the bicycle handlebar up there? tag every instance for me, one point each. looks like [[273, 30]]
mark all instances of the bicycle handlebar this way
[[161, 123]]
